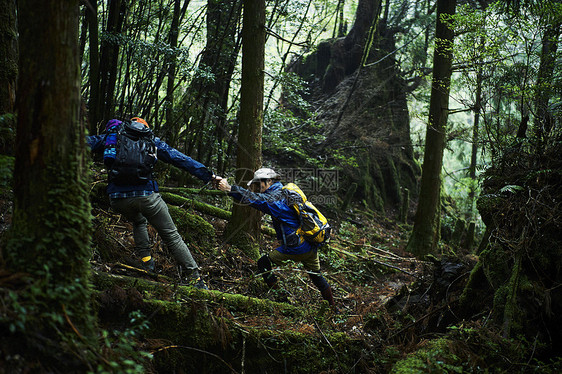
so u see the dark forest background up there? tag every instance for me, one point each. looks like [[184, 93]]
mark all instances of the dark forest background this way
[[428, 132]]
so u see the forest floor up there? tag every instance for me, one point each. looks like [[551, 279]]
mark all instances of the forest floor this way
[[384, 296], [371, 275], [364, 274]]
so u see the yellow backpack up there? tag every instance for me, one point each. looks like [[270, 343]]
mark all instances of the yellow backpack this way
[[314, 227]]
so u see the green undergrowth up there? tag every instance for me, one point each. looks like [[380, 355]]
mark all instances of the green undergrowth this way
[[6, 174], [475, 348]]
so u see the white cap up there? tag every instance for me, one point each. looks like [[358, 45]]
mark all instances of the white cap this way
[[263, 173]]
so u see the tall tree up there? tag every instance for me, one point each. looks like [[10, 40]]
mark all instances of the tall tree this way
[[207, 97], [178, 13], [109, 57], [50, 234], [94, 76], [425, 234], [544, 117], [8, 73], [244, 227]]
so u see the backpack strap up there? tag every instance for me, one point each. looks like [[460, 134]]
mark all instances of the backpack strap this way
[[110, 141]]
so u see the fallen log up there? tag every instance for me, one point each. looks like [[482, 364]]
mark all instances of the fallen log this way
[[215, 332]]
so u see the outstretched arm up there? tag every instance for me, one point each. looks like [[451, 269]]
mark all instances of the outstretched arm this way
[[174, 157], [264, 202], [96, 142]]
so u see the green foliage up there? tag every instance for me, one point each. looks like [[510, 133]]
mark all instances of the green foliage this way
[[348, 231], [438, 357], [289, 129], [25, 314], [504, 51], [7, 130], [6, 173], [120, 351]]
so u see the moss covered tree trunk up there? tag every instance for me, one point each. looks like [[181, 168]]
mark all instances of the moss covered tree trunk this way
[[425, 234], [8, 73], [51, 231], [244, 227]]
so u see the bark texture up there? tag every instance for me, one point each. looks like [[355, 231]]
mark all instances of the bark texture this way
[[425, 234], [244, 228]]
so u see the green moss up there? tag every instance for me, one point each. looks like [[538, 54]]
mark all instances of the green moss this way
[[497, 264], [437, 357], [393, 182], [476, 284], [200, 206], [193, 228], [6, 173], [199, 327], [487, 205]]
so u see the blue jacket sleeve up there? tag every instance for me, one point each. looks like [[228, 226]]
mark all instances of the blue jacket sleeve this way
[[271, 203], [96, 142], [259, 201], [174, 157]]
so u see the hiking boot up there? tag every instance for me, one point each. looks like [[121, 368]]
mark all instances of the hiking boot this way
[[189, 277], [200, 284], [148, 265], [194, 282], [328, 296]]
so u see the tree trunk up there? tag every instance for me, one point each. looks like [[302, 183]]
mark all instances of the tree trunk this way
[[94, 81], [355, 41], [109, 59], [8, 74], [179, 11], [51, 230], [207, 99], [474, 150], [544, 119], [425, 234], [244, 228]]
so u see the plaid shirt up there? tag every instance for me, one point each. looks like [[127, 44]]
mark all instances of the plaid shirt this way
[[124, 195]]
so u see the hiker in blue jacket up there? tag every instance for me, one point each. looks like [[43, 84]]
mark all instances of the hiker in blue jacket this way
[[273, 200], [138, 200]]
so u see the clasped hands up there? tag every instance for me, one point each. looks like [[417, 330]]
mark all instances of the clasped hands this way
[[221, 183]]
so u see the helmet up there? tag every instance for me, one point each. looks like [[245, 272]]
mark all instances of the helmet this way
[[140, 120], [263, 173]]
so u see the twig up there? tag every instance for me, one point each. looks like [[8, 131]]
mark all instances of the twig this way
[[243, 351], [330, 344], [94, 351], [70, 323], [410, 259], [375, 261]]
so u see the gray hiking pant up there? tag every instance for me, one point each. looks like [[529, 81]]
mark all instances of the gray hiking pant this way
[[152, 209]]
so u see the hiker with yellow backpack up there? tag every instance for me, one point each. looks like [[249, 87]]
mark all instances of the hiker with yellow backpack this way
[[299, 226]]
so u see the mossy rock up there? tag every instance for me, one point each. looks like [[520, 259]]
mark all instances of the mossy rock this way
[[438, 356], [487, 205]]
